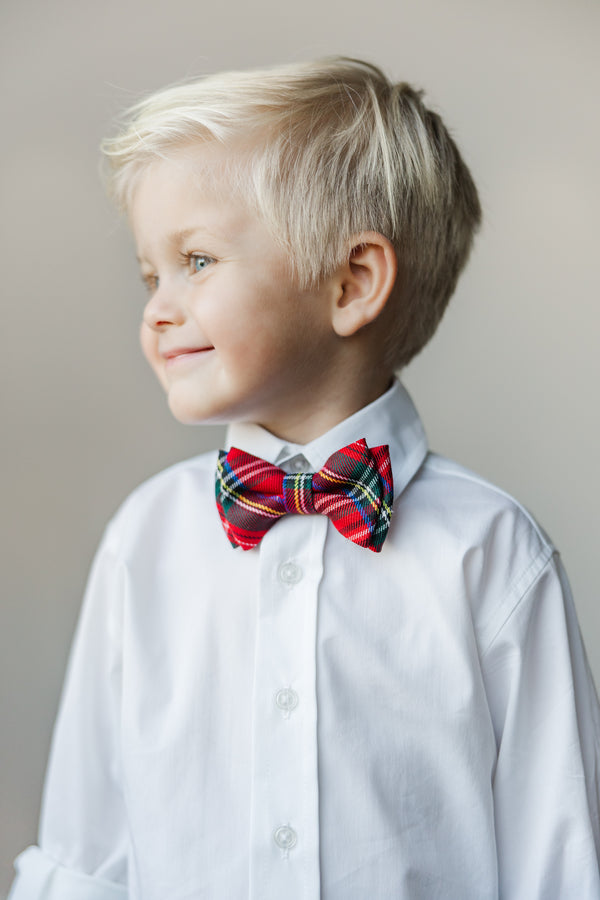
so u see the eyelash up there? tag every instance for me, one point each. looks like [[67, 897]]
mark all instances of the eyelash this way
[[188, 258], [151, 281]]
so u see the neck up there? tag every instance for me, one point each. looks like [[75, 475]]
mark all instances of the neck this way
[[325, 412]]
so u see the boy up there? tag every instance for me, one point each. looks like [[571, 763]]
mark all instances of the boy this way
[[380, 689]]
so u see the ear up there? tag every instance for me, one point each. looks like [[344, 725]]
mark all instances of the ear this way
[[365, 282]]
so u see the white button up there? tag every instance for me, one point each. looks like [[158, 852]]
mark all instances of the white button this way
[[285, 837], [286, 699], [299, 464], [289, 573]]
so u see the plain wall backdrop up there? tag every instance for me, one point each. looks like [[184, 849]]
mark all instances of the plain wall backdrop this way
[[508, 386]]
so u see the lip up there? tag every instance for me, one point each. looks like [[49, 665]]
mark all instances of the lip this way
[[182, 353]]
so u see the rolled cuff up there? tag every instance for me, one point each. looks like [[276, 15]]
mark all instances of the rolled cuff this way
[[39, 877]]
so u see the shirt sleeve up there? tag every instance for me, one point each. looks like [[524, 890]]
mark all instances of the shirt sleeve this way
[[547, 725], [39, 877], [83, 840]]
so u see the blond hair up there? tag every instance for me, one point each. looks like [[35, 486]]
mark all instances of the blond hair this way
[[323, 151]]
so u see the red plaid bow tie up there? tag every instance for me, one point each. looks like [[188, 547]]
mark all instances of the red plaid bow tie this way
[[354, 489]]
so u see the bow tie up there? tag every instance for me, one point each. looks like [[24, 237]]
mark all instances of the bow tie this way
[[354, 489]]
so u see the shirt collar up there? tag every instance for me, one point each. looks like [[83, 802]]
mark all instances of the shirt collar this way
[[391, 419]]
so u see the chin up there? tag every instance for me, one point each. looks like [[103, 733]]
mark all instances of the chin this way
[[185, 414], [190, 414]]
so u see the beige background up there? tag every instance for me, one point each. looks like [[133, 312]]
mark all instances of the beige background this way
[[508, 386]]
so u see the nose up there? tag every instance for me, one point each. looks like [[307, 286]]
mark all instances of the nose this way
[[163, 309]]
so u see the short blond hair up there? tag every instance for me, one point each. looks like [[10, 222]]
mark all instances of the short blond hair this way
[[323, 151]]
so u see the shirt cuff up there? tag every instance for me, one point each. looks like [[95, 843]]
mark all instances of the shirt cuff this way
[[39, 877]]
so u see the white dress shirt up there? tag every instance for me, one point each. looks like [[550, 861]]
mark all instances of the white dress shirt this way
[[310, 719]]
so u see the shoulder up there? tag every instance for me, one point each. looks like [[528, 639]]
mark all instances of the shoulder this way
[[164, 502], [479, 535], [462, 483], [166, 487], [471, 506]]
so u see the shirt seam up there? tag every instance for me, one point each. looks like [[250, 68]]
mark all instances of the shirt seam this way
[[531, 574]]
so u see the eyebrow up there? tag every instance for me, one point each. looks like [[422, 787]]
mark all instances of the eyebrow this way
[[177, 237]]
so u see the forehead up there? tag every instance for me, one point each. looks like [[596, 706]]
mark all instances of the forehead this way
[[206, 164], [191, 186]]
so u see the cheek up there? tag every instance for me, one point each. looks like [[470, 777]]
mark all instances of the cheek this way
[[149, 345]]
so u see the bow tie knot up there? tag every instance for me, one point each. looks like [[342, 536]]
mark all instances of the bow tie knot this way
[[354, 489], [298, 496]]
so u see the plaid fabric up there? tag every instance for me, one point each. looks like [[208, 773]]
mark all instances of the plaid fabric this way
[[354, 489]]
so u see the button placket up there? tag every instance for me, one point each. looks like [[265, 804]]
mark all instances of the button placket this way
[[285, 810], [289, 573]]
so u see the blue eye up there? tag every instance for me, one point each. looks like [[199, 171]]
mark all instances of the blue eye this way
[[195, 262], [199, 261]]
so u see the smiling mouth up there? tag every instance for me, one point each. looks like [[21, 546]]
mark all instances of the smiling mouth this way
[[185, 353]]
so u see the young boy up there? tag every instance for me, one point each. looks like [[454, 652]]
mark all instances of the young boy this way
[[380, 690]]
